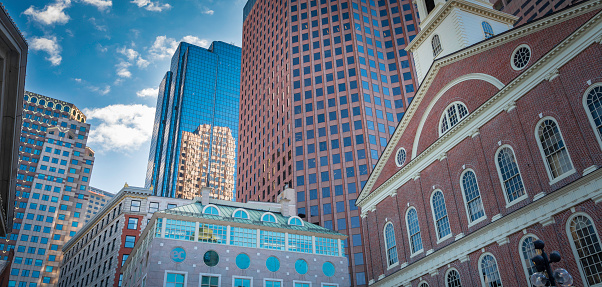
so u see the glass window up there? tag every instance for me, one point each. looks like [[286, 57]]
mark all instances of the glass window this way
[[554, 150], [273, 283], [510, 175], [243, 237], [295, 221], [179, 229], [593, 103], [489, 272], [452, 116], [453, 279], [153, 206], [300, 243], [527, 250], [391, 246], [211, 258], [273, 264], [268, 218], [211, 210], [440, 215], [436, 44], [487, 30], [328, 269], [586, 247], [241, 214], [132, 223], [209, 281], [301, 266], [414, 230], [242, 282], [212, 233], [472, 196], [130, 241], [272, 240], [243, 261], [135, 206], [327, 246]]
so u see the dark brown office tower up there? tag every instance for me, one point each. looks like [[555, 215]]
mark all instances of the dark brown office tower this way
[[529, 10]]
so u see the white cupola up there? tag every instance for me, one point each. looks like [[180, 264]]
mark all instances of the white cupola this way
[[449, 26]]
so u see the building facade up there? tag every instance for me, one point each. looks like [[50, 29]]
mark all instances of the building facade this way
[[529, 10], [324, 83], [224, 243], [196, 123], [95, 255], [54, 171], [501, 146], [13, 61], [96, 201]]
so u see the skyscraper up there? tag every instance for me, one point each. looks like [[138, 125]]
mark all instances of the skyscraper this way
[[324, 85], [52, 188], [196, 123], [97, 200]]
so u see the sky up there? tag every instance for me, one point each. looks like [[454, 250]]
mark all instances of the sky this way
[[107, 57]]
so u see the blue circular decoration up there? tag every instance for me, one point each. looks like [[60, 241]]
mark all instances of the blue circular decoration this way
[[243, 261], [273, 264], [328, 269], [301, 266], [178, 255]]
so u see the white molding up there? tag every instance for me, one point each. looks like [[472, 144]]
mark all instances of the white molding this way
[[520, 253], [481, 271], [572, 242], [587, 111], [279, 280], [589, 170], [471, 222], [219, 280], [175, 272], [219, 213], [553, 179], [514, 53], [266, 213], [241, 277]]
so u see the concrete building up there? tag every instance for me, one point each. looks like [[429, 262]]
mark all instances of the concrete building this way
[[97, 199], [54, 171], [94, 256], [529, 10], [13, 61], [196, 123], [501, 146], [214, 242], [324, 83]]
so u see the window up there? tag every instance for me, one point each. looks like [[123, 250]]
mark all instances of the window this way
[[271, 240], [452, 279], [453, 114], [586, 248], [268, 217], [512, 183], [124, 258], [490, 276], [210, 209], [130, 241], [273, 283], [135, 206], [211, 233], [175, 280], [210, 281], [592, 101], [302, 284], [273, 264], [301, 266], [520, 57], [300, 243], [527, 251], [243, 261], [132, 223], [414, 230], [243, 237], [472, 196], [487, 30], [436, 43], [242, 282], [328, 246], [400, 157], [295, 221], [179, 229], [240, 213], [171, 205], [553, 149], [153, 206], [391, 247], [440, 215]]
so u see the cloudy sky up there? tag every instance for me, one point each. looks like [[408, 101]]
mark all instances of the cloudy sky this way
[[108, 57]]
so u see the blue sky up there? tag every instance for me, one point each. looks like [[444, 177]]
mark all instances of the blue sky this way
[[108, 57]]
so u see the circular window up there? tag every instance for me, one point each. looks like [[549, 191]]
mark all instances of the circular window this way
[[400, 157], [243, 261], [328, 269], [178, 254], [301, 266], [273, 264], [521, 57], [211, 258]]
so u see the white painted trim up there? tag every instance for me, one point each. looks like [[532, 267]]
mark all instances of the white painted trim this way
[[514, 52], [439, 238], [520, 253], [273, 279], [219, 213], [588, 112], [234, 212], [444, 113], [298, 281], [412, 254], [242, 277], [447, 273], [219, 280], [397, 155], [269, 213], [480, 261], [387, 247], [543, 156], [176, 272], [289, 220], [423, 284], [499, 174], [329, 284], [471, 222], [572, 242]]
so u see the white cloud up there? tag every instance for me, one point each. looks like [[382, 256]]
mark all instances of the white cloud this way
[[51, 14], [97, 26], [49, 45], [100, 4], [164, 47], [103, 91], [148, 92], [142, 63], [196, 41], [208, 11], [130, 54], [123, 69], [151, 6], [78, 80], [121, 127]]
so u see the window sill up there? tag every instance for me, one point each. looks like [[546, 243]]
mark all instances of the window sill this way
[[482, 218], [392, 266], [517, 200], [563, 176], [416, 253], [444, 238]]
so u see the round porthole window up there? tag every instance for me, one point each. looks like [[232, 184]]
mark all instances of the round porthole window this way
[[400, 157], [521, 57], [328, 269], [243, 261], [211, 258], [301, 266], [273, 264]]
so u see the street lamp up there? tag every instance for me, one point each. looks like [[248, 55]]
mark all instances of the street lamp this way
[[544, 275]]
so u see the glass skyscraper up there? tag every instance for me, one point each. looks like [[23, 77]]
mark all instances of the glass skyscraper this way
[[195, 133]]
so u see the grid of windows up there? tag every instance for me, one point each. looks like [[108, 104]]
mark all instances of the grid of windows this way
[[300, 243], [327, 246], [179, 229], [213, 233], [243, 237], [272, 240]]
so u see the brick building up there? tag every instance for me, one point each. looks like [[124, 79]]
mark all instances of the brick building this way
[[501, 146]]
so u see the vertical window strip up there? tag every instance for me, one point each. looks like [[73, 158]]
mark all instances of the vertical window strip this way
[[594, 104], [588, 249], [512, 181], [554, 150], [489, 271], [414, 228], [390, 244], [474, 204], [440, 211], [158, 227]]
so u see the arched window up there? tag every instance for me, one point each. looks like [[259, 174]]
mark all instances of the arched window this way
[[527, 251], [487, 30], [268, 217], [593, 104], [553, 149], [240, 213], [452, 279], [211, 209], [390, 244], [512, 183], [586, 248], [436, 43], [472, 196], [490, 276], [453, 114], [414, 230], [423, 284], [440, 215], [295, 221]]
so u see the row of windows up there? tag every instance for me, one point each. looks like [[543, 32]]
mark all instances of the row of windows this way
[[179, 279]]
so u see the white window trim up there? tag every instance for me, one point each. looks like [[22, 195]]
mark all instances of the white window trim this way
[[485, 35], [570, 237], [239, 209], [520, 253], [423, 282], [440, 239], [589, 114], [289, 220], [242, 277], [298, 281], [329, 284], [444, 113], [389, 266], [219, 280], [397, 154], [412, 254], [471, 223], [543, 155], [219, 213], [176, 272], [514, 52], [440, 45], [273, 279], [447, 273], [139, 206], [266, 213], [499, 175], [481, 269]]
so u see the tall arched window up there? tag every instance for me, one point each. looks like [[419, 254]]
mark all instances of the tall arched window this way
[[452, 279], [487, 30], [390, 244], [586, 248], [512, 183], [423, 284], [593, 104], [414, 230], [527, 251], [440, 215], [453, 114], [490, 276], [553, 150], [472, 196], [436, 43]]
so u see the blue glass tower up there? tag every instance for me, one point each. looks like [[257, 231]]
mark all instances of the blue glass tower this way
[[195, 133]]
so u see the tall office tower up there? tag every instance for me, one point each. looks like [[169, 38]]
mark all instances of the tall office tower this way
[[52, 188], [96, 201], [196, 123], [324, 85], [529, 10]]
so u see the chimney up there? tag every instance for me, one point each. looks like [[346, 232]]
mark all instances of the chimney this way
[[287, 202], [205, 192]]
